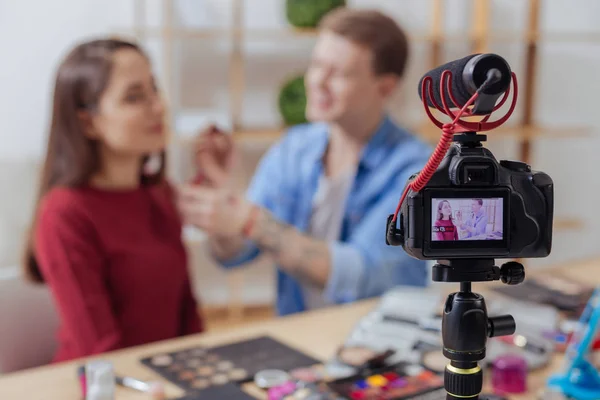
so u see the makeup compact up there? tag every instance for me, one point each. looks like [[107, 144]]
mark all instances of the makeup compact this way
[[334, 369], [362, 357], [315, 373], [270, 378]]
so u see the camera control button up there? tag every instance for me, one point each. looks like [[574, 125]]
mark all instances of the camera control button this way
[[515, 165]]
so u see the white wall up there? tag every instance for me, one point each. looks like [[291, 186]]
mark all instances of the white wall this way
[[35, 34]]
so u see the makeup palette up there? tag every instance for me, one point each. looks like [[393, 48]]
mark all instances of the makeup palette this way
[[403, 317], [216, 369], [560, 292], [398, 382]]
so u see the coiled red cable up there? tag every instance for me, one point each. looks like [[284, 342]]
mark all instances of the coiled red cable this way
[[448, 131]]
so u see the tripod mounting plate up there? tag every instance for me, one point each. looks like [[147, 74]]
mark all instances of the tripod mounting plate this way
[[465, 270]]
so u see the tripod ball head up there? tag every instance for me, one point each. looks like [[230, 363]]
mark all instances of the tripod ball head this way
[[465, 329]]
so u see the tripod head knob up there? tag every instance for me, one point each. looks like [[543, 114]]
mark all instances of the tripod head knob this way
[[512, 273], [502, 325]]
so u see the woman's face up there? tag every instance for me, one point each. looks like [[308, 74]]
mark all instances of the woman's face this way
[[130, 115], [446, 210]]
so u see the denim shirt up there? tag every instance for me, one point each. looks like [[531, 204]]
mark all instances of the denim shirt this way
[[362, 265], [477, 221]]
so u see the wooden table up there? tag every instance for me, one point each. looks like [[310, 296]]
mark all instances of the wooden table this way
[[317, 333]]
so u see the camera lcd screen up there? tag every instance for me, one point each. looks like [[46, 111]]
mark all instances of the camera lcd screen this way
[[460, 219]]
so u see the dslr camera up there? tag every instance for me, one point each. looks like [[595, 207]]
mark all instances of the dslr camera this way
[[473, 206], [464, 209]]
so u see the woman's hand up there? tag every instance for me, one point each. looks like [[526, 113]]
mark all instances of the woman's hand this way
[[217, 211], [215, 157]]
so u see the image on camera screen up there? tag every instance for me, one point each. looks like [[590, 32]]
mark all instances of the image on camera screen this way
[[467, 219]]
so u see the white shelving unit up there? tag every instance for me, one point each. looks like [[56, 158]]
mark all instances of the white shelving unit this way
[[480, 37]]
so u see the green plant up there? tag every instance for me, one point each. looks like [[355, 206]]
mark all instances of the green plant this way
[[292, 101], [308, 13]]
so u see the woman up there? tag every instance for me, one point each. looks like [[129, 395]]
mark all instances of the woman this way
[[446, 228], [106, 236]]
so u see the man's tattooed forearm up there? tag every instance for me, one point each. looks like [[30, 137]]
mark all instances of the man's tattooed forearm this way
[[270, 235], [312, 254], [302, 256]]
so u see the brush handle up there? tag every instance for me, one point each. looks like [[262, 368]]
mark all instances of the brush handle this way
[[133, 383]]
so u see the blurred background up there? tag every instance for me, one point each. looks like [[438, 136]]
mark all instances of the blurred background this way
[[228, 61]]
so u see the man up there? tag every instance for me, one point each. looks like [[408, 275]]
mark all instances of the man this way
[[320, 197], [476, 225]]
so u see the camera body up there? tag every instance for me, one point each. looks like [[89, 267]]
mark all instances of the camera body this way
[[475, 207]]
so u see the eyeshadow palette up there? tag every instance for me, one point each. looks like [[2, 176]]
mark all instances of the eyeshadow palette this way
[[201, 369], [398, 382]]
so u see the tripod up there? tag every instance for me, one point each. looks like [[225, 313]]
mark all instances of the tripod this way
[[465, 323]]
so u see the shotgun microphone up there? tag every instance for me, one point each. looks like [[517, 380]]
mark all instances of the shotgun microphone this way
[[468, 75]]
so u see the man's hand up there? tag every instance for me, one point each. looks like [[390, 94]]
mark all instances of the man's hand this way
[[210, 205], [215, 157], [216, 211], [459, 220], [207, 203], [223, 215]]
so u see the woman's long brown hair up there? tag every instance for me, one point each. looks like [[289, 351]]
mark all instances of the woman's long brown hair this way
[[440, 205], [71, 157]]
